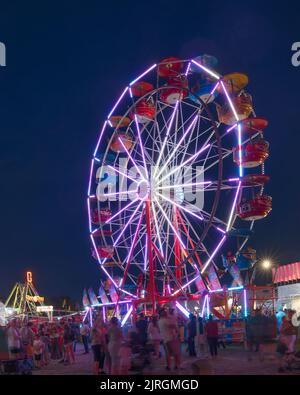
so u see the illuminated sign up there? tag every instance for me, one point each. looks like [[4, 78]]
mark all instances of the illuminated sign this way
[[35, 299], [44, 309], [29, 277]]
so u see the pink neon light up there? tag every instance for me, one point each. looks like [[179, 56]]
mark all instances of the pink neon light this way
[[204, 303], [157, 229], [124, 208], [141, 145], [126, 316], [119, 193], [90, 179], [186, 162], [133, 244], [187, 69], [142, 75], [100, 137], [206, 69], [118, 101], [89, 214], [230, 102], [181, 207], [213, 254], [232, 127], [215, 87], [146, 252], [123, 174], [131, 158], [233, 206], [178, 145], [186, 185], [128, 223], [171, 225], [182, 309], [221, 230], [166, 136], [240, 151], [233, 179], [186, 285]]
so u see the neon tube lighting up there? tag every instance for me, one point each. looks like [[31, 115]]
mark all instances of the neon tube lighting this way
[[213, 254], [186, 285], [171, 225], [233, 206], [232, 127], [122, 209], [186, 185], [157, 229], [100, 137], [118, 101], [235, 288], [131, 158], [89, 215], [230, 101], [180, 207], [90, 179], [245, 304], [206, 69], [123, 174], [141, 145], [119, 193], [126, 316], [240, 150], [185, 312], [178, 145], [128, 223], [233, 179], [221, 230], [204, 303], [185, 162], [187, 69], [166, 137], [142, 75], [215, 87]]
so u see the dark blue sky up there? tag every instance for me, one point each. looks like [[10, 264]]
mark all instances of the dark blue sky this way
[[66, 63]]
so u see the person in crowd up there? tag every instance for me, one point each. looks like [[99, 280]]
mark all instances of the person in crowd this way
[[38, 349], [169, 333], [212, 334], [76, 330], [201, 336], [27, 337], [154, 336], [141, 326], [55, 354], [85, 333], [115, 337], [68, 339], [98, 346], [13, 340], [287, 340], [255, 328], [125, 355], [192, 331], [45, 338]]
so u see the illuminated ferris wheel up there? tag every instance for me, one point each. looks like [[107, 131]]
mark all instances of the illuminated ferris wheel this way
[[172, 183]]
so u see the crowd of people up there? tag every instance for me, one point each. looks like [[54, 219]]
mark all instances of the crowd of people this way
[[118, 350]]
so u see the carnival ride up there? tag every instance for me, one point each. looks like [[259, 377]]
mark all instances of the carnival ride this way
[[25, 301], [177, 177]]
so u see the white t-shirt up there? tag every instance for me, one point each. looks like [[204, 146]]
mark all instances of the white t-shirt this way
[[166, 327], [13, 338], [38, 347], [153, 332], [85, 330]]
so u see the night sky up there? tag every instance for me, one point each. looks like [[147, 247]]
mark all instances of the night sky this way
[[66, 64]]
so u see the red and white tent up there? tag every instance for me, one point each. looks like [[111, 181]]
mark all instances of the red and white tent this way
[[286, 273]]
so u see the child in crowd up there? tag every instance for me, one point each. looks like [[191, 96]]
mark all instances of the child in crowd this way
[[38, 349]]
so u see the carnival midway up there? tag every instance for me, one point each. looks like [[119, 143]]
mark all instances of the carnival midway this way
[[178, 180]]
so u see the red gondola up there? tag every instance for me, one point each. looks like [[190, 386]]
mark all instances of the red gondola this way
[[116, 144], [255, 179], [100, 216], [144, 111], [254, 125], [171, 67], [104, 252], [177, 90], [256, 208], [252, 154], [141, 88]]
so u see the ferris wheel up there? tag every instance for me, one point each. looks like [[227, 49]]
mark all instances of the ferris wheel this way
[[177, 177]]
